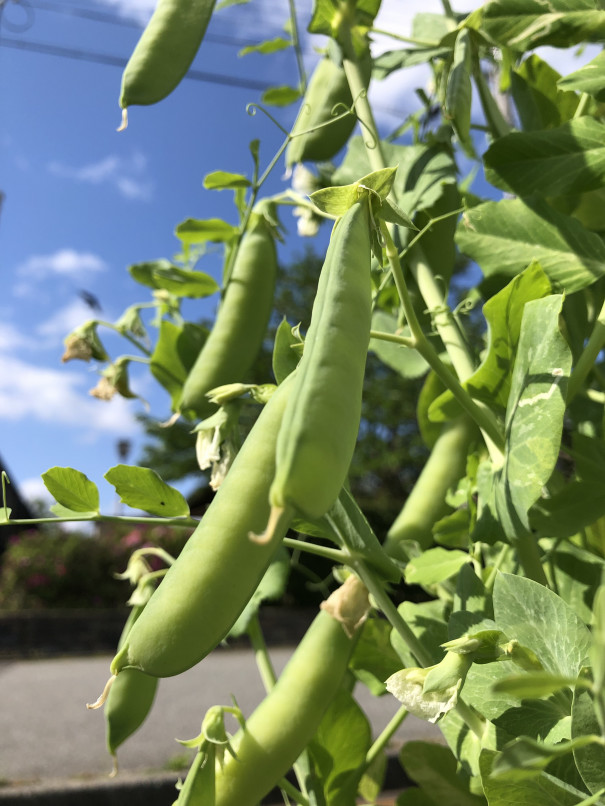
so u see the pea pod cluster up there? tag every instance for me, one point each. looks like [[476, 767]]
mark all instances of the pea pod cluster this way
[[241, 322], [320, 427], [285, 722], [328, 88], [215, 575], [165, 51]]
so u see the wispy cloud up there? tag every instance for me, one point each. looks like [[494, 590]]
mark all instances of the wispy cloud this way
[[67, 262], [128, 176], [50, 396], [12, 339], [64, 320]]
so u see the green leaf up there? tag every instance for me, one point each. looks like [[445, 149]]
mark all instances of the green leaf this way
[[590, 78], [568, 159], [529, 24], [271, 587], [434, 768], [174, 354], [537, 618], [374, 658], [427, 622], [142, 488], [404, 360], [459, 91], [434, 566], [504, 237], [161, 274], [539, 101], [339, 749], [193, 231], [226, 3], [285, 355], [280, 96], [590, 760], [576, 575], [64, 512], [503, 312], [268, 46], [372, 781], [524, 757], [533, 685], [222, 180], [72, 489], [534, 415]]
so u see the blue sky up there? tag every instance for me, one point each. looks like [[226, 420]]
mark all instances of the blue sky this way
[[83, 202]]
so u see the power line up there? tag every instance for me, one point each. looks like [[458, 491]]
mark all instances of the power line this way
[[119, 61]]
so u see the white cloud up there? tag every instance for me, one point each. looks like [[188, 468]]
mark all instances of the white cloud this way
[[33, 489], [12, 339], [56, 396], [128, 176], [65, 320], [66, 262]]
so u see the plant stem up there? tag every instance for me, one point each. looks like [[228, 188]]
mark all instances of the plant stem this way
[[184, 521], [126, 335], [335, 555], [382, 741], [498, 125], [404, 341], [529, 557], [581, 108], [421, 43], [588, 357], [297, 49]]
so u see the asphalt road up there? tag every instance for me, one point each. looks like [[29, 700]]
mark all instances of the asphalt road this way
[[47, 733]]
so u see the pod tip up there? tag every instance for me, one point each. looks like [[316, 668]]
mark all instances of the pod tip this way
[[92, 706], [124, 124]]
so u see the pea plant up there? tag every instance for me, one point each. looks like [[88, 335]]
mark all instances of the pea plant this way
[[493, 293]]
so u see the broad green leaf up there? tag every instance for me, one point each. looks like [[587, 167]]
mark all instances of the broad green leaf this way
[[392, 60], [590, 78], [466, 745], [590, 760], [339, 749], [271, 587], [577, 575], [434, 768], [427, 622], [533, 685], [525, 757], [568, 159], [374, 658], [174, 354], [579, 504], [597, 652], [142, 488], [537, 618], [434, 566], [534, 415], [539, 101], [64, 512], [327, 16], [372, 781], [404, 360], [335, 201], [529, 24], [504, 237], [431, 28], [193, 231], [459, 91], [72, 489], [503, 313], [285, 352], [268, 46], [222, 180], [540, 790], [280, 96], [161, 274]]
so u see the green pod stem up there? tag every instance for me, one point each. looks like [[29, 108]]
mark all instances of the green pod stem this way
[[130, 697], [319, 432], [165, 50], [425, 505], [284, 723], [200, 782], [215, 575], [327, 88], [241, 323]]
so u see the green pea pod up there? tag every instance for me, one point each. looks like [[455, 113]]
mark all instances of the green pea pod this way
[[241, 323], [200, 782], [284, 723], [130, 697], [319, 431], [328, 90], [425, 505], [164, 52], [215, 575]]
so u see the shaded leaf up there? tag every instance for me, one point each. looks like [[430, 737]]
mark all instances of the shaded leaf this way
[[404, 360], [268, 46], [174, 354], [434, 566], [590, 78], [280, 96], [222, 180], [271, 587]]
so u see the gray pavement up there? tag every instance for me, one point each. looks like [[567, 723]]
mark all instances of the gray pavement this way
[[46, 732]]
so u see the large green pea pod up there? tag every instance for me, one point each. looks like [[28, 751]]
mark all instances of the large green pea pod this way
[[320, 427], [284, 723], [328, 88], [241, 322], [130, 698], [215, 575], [425, 505], [164, 52]]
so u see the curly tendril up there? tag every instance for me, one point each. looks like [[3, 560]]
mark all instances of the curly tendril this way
[[252, 109]]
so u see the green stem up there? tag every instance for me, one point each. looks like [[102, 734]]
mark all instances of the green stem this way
[[421, 43], [581, 108], [184, 521], [595, 344], [382, 741], [297, 49], [5, 481], [489, 582], [335, 555], [448, 9], [127, 336], [529, 557], [497, 123], [393, 337]]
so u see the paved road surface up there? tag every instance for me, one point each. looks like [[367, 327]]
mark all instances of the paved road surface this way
[[46, 732]]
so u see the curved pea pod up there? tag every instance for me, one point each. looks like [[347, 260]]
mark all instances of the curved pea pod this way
[[284, 723], [241, 322], [327, 88], [165, 51], [130, 697], [319, 431], [215, 575], [425, 505]]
